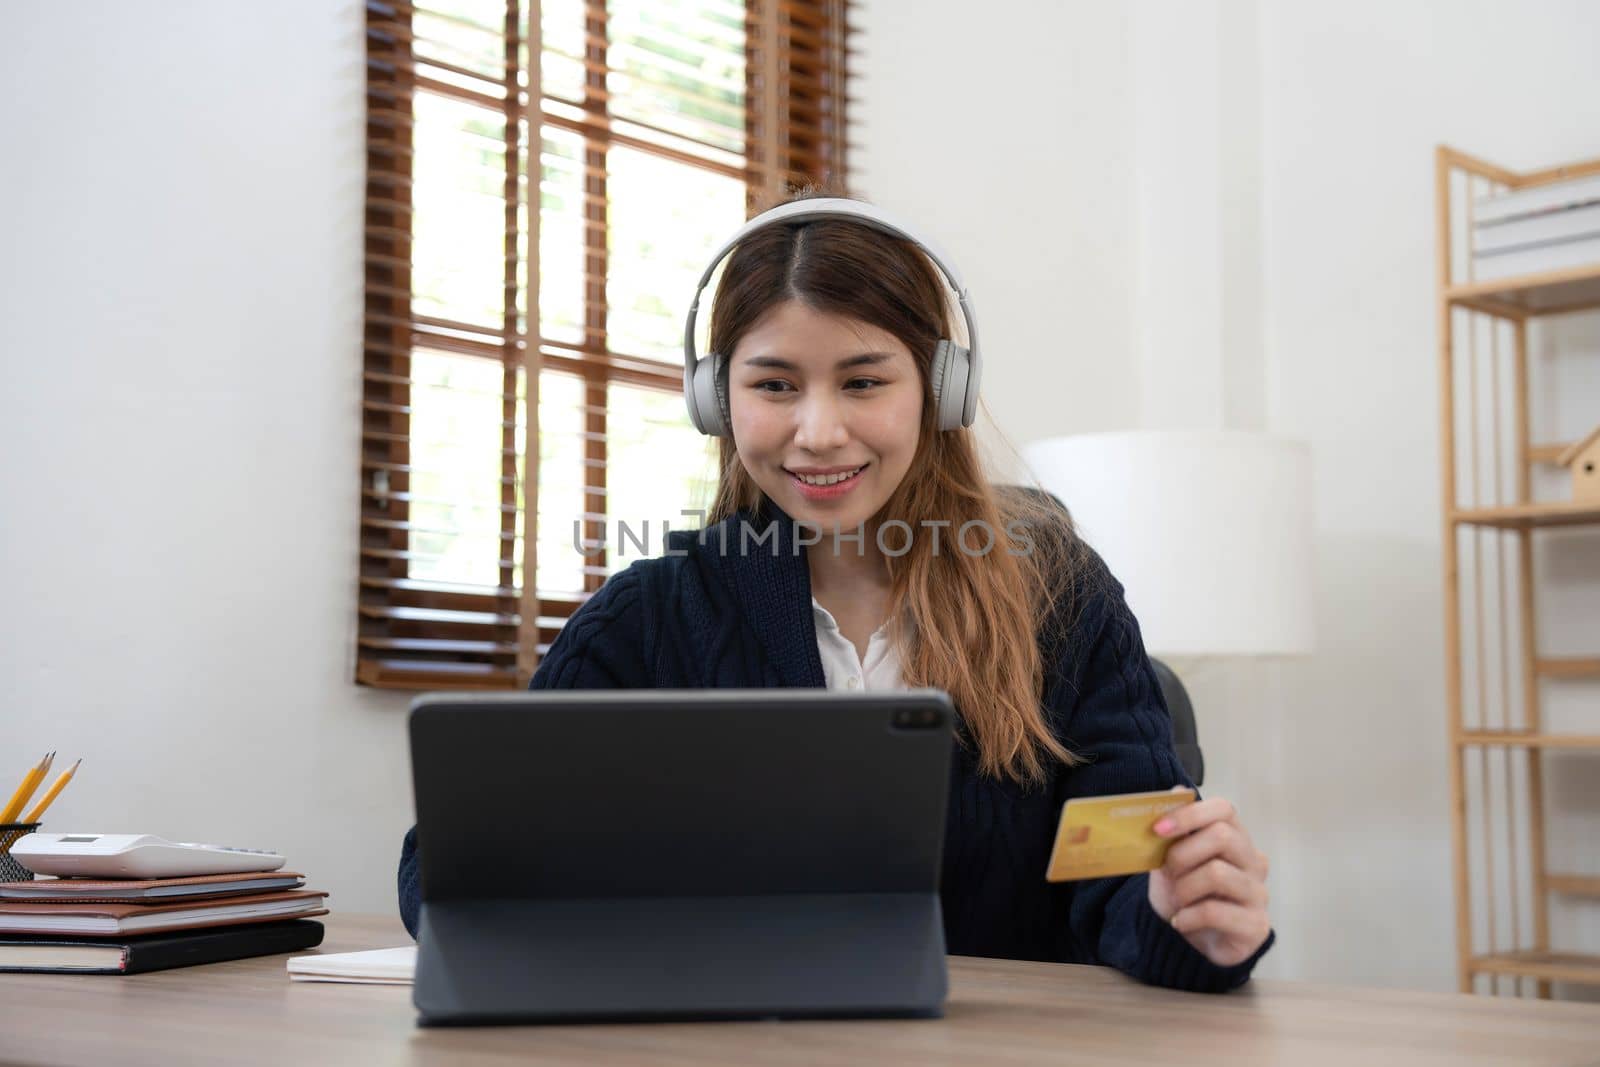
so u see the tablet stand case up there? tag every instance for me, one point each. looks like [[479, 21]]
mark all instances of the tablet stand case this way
[[741, 856]]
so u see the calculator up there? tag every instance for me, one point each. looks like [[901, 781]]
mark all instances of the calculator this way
[[135, 856]]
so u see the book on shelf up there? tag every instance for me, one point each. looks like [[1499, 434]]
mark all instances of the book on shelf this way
[[1554, 227], [54, 953], [1536, 199], [1537, 259]]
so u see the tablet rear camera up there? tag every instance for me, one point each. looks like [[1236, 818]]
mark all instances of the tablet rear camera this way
[[916, 719]]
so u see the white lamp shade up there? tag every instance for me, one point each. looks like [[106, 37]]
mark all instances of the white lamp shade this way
[[1209, 533]]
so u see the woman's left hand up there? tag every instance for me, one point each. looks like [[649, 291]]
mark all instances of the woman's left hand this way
[[1213, 886]]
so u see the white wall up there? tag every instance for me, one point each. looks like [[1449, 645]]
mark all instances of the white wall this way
[[1355, 96], [951, 111], [180, 319], [1235, 227]]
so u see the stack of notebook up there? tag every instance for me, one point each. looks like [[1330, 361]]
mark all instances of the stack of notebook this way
[[121, 926]]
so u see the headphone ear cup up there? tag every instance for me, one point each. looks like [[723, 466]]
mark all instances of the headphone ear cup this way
[[948, 377], [937, 370], [709, 413]]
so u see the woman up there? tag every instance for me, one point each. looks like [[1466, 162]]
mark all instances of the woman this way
[[874, 575]]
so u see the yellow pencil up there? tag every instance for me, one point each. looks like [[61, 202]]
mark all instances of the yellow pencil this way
[[30, 782], [44, 801]]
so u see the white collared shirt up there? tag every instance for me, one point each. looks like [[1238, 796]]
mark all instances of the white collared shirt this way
[[843, 668]]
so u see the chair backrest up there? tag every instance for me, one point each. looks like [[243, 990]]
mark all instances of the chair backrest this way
[[1185, 734]]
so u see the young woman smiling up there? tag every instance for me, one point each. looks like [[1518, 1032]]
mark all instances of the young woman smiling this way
[[830, 416]]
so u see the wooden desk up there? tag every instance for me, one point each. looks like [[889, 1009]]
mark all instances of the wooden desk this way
[[248, 1012]]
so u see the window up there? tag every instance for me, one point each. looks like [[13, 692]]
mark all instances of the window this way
[[497, 319]]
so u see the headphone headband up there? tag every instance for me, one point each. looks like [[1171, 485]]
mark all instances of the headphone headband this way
[[808, 210]]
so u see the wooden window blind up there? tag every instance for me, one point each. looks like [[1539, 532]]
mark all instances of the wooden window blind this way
[[522, 365]]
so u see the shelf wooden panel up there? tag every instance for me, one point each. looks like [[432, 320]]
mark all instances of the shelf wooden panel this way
[[1551, 966], [1569, 667], [1547, 453], [1510, 304], [1549, 292], [1528, 516], [1573, 885], [1515, 739]]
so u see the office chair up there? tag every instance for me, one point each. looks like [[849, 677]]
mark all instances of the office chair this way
[[1185, 734]]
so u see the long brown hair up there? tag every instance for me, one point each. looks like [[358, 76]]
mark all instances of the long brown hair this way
[[970, 625]]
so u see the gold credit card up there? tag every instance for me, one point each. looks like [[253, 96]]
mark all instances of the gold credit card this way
[[1102, 837]]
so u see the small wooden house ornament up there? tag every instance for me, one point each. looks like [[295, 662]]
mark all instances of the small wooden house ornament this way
[[1583, 460]]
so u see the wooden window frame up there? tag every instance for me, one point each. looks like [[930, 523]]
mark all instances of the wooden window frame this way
[[414, 634]]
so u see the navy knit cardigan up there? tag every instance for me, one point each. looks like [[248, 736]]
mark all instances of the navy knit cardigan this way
[[714, 619]]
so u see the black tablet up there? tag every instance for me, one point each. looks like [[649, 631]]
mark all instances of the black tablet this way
[[653, 854]]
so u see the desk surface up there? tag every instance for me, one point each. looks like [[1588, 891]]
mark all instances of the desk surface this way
[[248, 1012]]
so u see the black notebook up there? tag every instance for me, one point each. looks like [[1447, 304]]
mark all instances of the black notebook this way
[[154, 952]]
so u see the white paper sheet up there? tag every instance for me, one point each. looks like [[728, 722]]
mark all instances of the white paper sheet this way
[[381, 966]]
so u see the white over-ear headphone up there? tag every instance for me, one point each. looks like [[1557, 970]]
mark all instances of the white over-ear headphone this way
[[954, 374]]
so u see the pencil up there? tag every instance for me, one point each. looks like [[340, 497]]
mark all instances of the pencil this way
[[44, 801], [30, 782]]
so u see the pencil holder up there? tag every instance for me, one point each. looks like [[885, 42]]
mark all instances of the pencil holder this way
[[10, 834]]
